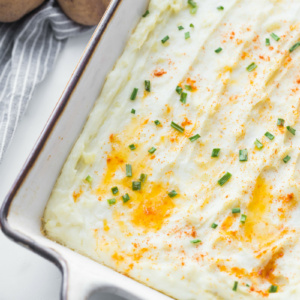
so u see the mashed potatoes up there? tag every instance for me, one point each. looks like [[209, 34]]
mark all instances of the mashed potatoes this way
[[186, 176]]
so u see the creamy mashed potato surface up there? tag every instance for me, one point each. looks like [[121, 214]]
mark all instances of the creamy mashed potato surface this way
[[201, 223]]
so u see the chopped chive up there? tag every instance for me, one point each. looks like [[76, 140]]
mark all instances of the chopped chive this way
[[172, 194], [275, 36], [251, 67], [235, 286], [128, 170], [236, 210], [243, 155], [156, 122], [133, 94], [197, 241], [143, 177], [133, 111], [136, 185], [89, 179], [111, 201], [248, 285], [177, 127], [165, 39], [268, 42], [220, 8], [152, 150], [269, 135], [132, 147], [291, 130], [258, 144], [125, 198], [214, 225], [243, 219], [147, 85], [146, 13], [178, 89], [215, 152], [180, 27], [183, 97], [280, 122], [294, 47], [193, 6], [114, 190], [224, 179], [273, 288], [188, 87], [218, 50], [286, 159], [192, 25], [194, 137], [187, 35]]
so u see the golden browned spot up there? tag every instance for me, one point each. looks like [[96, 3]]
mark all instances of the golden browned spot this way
[[117, 258], [192, 83], [154, 206], [76, 195], [105, 226], [227, 223]]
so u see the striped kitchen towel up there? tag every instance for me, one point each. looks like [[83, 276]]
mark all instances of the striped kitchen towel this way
[[28, 50]]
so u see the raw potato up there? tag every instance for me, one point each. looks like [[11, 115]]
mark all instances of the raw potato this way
[[13, 10], [86, 12]]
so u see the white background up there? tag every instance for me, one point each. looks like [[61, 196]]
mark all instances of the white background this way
[[25, 275]]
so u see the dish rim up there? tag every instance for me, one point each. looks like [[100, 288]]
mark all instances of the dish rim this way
[[14, 235]]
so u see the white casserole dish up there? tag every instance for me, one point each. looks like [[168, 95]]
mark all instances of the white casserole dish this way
[[23, 207]]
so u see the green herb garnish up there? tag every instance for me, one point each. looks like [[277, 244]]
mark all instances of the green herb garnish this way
[[291, 130], [273, 288], [286, 159], [125, 198], [218, 50], [280, 122], [193, 6], [133, 111], [172, 194], [235, 286], [132, 147], [294, 47], [136, 185], [180, 27], [214, 225], [128, 170], [183, 97], [275, 37], [114, 190], [178, 89], [147, 85], [177, 127], [156, 122], [268, 43], [269, 135], [89, 179], [236, 210], [165, 39], [192, 25], [243, 155], [197, 241], [243, 219], [143, 177], [194, 137], [224, 179], [146, 13], [111, 201], [134, 93], [188, 87], [220, 8], [251, 67], [215, 152], [152, 150], [187, 35], [258, 144]]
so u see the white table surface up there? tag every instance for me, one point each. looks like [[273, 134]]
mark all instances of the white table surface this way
[[23, 274]]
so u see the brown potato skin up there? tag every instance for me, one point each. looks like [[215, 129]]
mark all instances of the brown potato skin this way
[[13, 10], [85, 12]]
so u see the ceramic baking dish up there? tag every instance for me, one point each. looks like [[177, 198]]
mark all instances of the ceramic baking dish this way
[[23, 207]]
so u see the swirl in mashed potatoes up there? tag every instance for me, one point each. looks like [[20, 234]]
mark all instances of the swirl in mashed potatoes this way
[[186, 176]]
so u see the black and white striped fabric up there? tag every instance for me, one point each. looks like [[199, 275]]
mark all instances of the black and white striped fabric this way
[[28, 50]]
